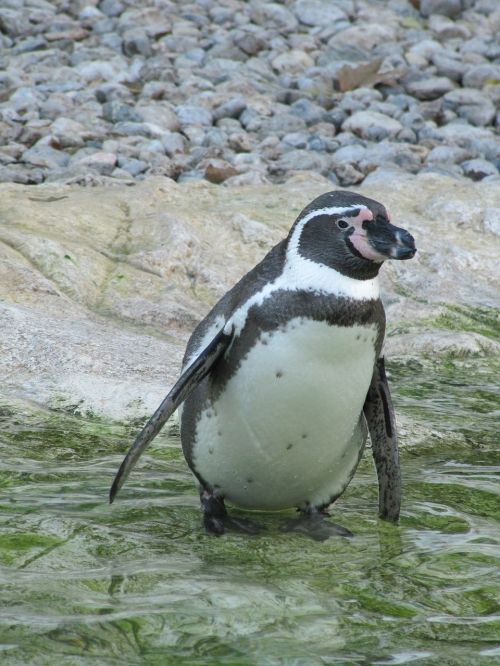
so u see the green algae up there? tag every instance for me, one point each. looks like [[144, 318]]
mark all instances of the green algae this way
[[139, 582]]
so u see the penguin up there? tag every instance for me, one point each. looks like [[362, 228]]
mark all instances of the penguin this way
[[284, 379]]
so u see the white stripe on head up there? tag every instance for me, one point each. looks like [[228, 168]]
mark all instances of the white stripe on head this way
[[302, 274]]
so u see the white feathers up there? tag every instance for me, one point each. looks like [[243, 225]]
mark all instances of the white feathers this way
[[286, 429]]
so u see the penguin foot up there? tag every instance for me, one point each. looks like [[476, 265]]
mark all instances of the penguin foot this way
[[216, 519], [314, 525]]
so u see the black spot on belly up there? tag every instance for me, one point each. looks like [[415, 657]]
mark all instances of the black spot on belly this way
[[210, 450], [279, 374], [304, 435], [358, 337], [249, 480], [289, 446]]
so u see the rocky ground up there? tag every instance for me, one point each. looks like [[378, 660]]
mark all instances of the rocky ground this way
[[247, 92], [100, 287]]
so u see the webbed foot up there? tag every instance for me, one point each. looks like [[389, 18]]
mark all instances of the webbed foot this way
[[312, 523], [216, 519]]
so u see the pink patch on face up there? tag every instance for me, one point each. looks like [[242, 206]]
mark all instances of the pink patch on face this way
[[365, 215], [359, 239], [360, 242]]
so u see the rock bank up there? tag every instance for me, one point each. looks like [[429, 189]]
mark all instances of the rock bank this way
[[101, 286]]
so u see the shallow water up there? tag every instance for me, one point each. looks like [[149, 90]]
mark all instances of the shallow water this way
[[140, 583]]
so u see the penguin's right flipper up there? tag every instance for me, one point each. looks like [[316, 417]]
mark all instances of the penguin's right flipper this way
[[189, 379], [379, 416]]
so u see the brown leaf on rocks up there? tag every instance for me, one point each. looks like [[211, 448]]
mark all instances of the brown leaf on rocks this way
[[364, 75], [217, 171], [350, 78]]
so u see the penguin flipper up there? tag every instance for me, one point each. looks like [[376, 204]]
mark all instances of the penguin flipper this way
[[379, 416], [189, 379]]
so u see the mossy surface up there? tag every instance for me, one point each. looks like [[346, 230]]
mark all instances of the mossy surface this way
[[139, 582]]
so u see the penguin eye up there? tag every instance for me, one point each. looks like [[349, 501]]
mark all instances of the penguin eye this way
[[342, 224]]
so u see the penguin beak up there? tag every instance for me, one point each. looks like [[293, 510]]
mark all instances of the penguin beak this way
[[390, 241]]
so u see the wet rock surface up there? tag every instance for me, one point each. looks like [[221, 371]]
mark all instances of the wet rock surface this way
[[98, 89], [101, 286]]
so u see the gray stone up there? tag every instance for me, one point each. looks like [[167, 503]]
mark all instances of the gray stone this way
[[131, 165], [430, 88], [161, 114], [478, 169], [216, 138], [387, 152], [407, 135], [250, 43], [372, 125], [14, 22], [270, 14], [451, 8], [348, 174], [303, 160], [280, 124], [25, 99], [447, 155], [369, 35], [102, 162], [136, 42], [45, 156], [310, 112], [292, 62], [233, 108], [452, 68], [413, 120], [154, 146], [116, 112], [296, 139], [173, 143], [320, 144], [478, 76], [318, 12], [445, 29], [111, 8], [240, 142], [351, 154], [471, 104], [117, 92], [477, 46], [69, 133], [190, 114], [21, 174], [32, 43]]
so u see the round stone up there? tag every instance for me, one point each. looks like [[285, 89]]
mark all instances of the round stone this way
[[372, 125], [318, 12]]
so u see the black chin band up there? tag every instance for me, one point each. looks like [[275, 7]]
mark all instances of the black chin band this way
[[369, 268]]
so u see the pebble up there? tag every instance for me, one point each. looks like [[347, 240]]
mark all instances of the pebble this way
[[318, 12], [478, 169], [372, 125], [248, 92], [430, 88]]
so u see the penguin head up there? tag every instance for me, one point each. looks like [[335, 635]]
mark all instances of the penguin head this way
[[350, 233]]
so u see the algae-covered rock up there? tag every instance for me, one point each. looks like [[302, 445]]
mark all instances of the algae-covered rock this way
[[101, 286]]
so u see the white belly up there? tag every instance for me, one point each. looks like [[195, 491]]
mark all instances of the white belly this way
[[286, 431]]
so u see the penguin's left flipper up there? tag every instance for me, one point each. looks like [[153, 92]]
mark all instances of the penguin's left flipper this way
[[189, 379], [379, 415]]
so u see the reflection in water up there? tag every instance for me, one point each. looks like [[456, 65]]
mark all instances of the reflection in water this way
[[140, 583]]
